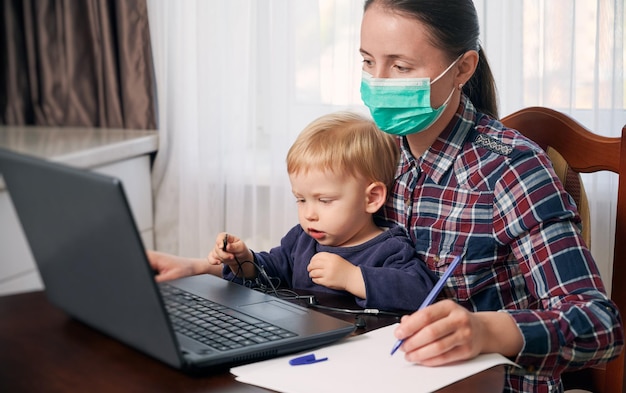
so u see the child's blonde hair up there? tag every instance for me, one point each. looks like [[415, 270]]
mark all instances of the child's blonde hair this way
[[345, 142]]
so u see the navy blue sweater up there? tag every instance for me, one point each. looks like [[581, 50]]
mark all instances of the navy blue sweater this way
[[395, 278]]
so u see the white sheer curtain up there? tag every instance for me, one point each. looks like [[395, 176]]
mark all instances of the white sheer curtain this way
[[239, 79]]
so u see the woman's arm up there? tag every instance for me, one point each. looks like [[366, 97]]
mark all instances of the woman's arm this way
[[566, 318], [170, 267]]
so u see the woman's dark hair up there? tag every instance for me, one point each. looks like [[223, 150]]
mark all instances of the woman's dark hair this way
[[454, 28]]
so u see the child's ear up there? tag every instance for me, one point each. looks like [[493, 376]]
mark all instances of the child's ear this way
[[375, 196]]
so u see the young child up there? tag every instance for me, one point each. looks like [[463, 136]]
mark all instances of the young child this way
[[340, 168]]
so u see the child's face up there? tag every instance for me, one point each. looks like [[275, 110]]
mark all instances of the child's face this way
[[332, 207]]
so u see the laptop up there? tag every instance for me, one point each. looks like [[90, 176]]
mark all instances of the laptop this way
[[92, 261]]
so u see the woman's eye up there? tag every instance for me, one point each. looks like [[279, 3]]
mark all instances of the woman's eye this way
[[325, 201], [367, 63], [401, 69]]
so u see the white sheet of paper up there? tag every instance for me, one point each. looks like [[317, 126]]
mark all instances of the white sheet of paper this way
[[360, 364]]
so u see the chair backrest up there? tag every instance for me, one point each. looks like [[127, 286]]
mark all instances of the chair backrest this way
[[573, 184], [586, 152]]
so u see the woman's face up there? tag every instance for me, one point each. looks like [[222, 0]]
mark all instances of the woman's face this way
[[397, 46]]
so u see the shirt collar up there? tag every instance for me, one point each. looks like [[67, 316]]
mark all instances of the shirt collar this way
[[438, 159]]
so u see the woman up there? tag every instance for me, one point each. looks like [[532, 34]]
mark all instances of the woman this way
[[528, 287]]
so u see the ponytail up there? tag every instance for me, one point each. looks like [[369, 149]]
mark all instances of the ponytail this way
[[481, 88]]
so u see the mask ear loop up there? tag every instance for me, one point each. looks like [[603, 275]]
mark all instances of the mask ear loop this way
[[445, 103], [442, 74], [447, 69]]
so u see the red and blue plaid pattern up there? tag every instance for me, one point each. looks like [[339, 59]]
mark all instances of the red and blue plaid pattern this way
[[488, 192]]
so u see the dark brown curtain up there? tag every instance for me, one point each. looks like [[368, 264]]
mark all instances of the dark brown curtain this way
[[76, 63]]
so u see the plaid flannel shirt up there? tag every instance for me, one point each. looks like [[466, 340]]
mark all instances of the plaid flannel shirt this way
[[491, 194]]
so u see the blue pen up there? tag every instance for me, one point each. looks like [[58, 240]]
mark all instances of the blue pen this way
[[433, 293]]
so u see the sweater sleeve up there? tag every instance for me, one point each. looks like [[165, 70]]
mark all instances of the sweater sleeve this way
[[395, 278]]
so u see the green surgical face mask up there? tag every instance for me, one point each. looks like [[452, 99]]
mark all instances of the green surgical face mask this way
[[401, 106]]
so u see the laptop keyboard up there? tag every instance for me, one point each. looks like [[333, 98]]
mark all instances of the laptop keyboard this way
[[213, 324]]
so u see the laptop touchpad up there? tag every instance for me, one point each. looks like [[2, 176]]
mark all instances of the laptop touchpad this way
[[272, 309]]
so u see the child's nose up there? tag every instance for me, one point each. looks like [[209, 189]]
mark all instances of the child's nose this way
[[310, 213]]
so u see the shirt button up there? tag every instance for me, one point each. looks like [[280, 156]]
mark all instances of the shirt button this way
[[436, 258], [531, 369]]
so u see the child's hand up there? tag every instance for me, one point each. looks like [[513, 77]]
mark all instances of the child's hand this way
[[230, 250], [332, 271], [224, 251]]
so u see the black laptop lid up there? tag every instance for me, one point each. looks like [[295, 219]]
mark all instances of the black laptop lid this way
[[87, 248]]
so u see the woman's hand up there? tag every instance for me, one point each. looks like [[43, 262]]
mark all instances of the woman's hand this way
[[445, 332], [170, 267]]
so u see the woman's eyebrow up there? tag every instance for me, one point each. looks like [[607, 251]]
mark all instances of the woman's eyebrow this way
[[391, 56]]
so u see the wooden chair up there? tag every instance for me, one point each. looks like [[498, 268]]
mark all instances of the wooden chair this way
[[586, 152]]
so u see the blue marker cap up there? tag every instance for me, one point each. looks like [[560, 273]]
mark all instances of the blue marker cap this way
[[306, 359]]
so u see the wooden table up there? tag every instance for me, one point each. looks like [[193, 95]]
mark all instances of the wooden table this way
[[44, 350]]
